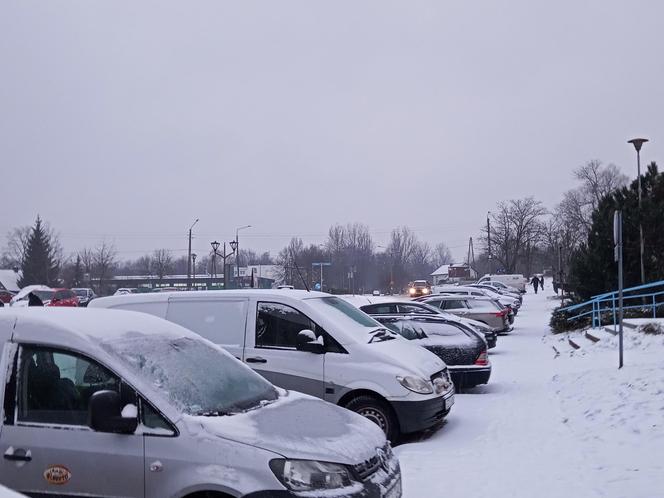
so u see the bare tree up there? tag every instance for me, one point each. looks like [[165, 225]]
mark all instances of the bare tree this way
[[17, 241], [442, 255], [516, 228], [162, 262], [104, 257], [596, 182]]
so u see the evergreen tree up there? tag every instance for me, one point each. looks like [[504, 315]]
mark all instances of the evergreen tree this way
[[77, 279], [593, 269], [40, 263]]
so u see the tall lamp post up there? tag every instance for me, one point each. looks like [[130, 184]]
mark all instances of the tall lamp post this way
[[237, 248], [224, 255], [391, 268], [488, 238], [638, 143], [189, 257], [193, 268]]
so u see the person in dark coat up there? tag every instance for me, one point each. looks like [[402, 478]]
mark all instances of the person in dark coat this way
[[33, 300], [542, 282], [535, 283]]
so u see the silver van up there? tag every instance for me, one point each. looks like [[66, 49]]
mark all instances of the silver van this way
[[112, 403], [318, 344]]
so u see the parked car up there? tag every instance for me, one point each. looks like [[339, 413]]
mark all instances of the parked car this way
[[515, 280], [463, 350], [43, 292], [505, 301], [6, 296], [317, 344], [419, 288], [114, 403], [84, 294], [482, 310], [63, 297], [500, 288], [122, 291], [387, 305]]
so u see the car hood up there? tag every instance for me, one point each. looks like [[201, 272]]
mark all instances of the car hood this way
[[403, 354], [297, 426]]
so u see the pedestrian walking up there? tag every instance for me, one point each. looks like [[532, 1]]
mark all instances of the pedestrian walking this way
[[542, 282], [535, 283]]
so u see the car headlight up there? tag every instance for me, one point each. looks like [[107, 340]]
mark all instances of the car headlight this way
[[425, 291], [415, 384], [411, 290], [308, 475]]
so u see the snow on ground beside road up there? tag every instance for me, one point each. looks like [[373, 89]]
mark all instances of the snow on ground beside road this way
[[548, 426]]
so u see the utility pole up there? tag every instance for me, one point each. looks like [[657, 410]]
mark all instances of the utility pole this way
[[488, 238], [189, 257], [618, 256], [193, 267]]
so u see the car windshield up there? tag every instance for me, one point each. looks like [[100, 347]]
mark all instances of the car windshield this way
[[44, 295], [421, 283], [63, 294], [350, 317], [197, 377], [81, 292]]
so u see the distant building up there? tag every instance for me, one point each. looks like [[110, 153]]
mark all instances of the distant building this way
[[441, 275], [9, 280], [461, 271]]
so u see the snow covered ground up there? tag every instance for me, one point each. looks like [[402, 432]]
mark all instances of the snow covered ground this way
[[570, 425]]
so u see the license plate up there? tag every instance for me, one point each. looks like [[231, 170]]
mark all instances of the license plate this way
[[394, 491], [449, 402]]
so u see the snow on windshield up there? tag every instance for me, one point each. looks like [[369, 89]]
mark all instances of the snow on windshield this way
[[196, 376]]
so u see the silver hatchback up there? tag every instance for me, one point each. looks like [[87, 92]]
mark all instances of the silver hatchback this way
[[481, 309]]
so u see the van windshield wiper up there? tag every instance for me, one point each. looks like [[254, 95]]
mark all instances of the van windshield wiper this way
[[213, 413], [380, 334]]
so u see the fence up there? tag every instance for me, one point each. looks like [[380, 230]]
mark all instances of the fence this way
[[650, 295]]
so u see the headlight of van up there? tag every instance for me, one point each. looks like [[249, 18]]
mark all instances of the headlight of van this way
[[415, 384], [308, 475]]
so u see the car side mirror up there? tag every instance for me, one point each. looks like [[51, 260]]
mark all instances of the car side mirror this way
[[106, 414], [307, 341]]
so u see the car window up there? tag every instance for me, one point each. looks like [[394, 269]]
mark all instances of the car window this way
[[483, 305], [377, 309], [219, 321], [437, 303], [453, 305], [55, 387], [413, 308], [63, 294], [277, 325]]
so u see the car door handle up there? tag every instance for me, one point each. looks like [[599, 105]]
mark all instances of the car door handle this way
[[255, 359], [18, 455]]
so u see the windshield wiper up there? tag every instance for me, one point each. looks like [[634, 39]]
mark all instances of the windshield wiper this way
[[213, 413], [380, 334]]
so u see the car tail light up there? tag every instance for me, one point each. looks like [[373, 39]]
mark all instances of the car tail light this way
[[501, 313], [482, 359]]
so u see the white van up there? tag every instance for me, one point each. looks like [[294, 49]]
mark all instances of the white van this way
[[515, 280], [113, 403], [317, 344]]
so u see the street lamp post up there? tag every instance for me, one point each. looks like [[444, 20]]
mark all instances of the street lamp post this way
[[193, 267], [215, 252], [391, 268], [189, 257], [638, 143], [237, 248]]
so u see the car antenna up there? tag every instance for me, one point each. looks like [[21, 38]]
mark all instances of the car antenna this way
[[298, 271]]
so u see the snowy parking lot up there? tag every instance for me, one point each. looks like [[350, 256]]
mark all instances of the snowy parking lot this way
[[550, 426]]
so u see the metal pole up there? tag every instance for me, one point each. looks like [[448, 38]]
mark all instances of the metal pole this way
[[638, 168], [488, 232], [225, 272], [189, 263], [620, 292]]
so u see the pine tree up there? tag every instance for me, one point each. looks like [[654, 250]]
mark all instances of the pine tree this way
[[40, 264]]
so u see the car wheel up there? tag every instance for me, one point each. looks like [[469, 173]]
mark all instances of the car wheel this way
[[378, 412]]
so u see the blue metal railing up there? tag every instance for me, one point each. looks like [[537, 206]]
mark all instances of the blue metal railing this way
[[603, 304]]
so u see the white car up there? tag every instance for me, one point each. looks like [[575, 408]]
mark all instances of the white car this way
[[515, 280], [43, 292], [123, 291], [513, 303], [317, 344]]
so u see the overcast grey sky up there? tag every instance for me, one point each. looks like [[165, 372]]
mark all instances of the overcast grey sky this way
[[129, 119]]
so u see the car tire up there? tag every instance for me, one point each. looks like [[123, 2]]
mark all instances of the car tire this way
[[379, 412]]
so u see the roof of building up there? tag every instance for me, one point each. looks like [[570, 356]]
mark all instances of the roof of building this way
[[9, 280], [443, 270]]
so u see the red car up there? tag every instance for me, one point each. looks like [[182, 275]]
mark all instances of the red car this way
[[63, 297]]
